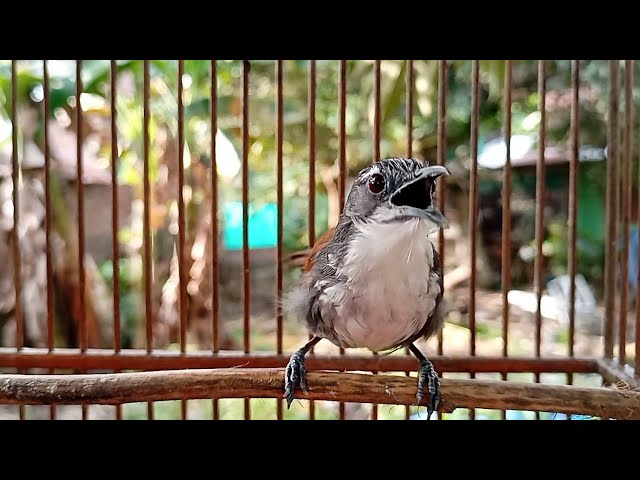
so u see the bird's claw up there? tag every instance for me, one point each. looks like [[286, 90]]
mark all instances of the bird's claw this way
[[295, 375], [428, 374]]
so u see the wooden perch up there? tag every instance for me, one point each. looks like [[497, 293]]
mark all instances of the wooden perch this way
[[120, 388]]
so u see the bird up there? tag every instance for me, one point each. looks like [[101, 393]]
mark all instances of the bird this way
[[374, 281]]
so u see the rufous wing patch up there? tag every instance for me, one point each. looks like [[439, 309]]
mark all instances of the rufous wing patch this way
[[320, 243]]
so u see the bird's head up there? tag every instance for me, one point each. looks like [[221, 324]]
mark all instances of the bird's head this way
[[396, 190]]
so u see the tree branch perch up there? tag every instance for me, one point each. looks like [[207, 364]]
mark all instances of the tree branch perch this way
[[117, 388]]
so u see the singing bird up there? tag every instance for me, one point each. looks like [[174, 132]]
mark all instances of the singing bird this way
[[374, 281]]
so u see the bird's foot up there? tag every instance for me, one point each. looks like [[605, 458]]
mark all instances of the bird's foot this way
[[428, 375], [295, 375]]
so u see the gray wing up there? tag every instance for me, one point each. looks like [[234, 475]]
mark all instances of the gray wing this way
[[305, 300]]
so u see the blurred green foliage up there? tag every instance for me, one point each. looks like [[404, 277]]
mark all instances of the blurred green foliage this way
[[359, 117]]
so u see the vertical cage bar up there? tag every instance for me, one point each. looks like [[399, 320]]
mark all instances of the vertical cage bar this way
[[626, 209], [15, 179], [312, 151], [409, 107], [48, 212], [147, 209], [441, 153], [342, 152], [215, 305], [117, 342], [473, 206], [245, 217], [182, 225], [146, 220], [573, 206], [83, 333], [280, 202], [506, 210], [181, 213], [573, 200], [473, 201], [409, 154], [376, 113], [376, 156], [311, 134], [15, 183], [48, 220], [540, 203], [637, 324], [79, 144], [506, 213], [611, 208], [342, 159]]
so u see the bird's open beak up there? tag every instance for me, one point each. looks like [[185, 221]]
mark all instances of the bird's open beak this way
[[413, 198]]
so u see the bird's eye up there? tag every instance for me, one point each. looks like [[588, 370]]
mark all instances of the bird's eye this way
[[376, 183]]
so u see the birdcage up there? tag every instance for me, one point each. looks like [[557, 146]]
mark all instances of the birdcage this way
[[154, 212]]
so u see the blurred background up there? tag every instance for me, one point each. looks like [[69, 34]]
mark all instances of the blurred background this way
[[262, 235]]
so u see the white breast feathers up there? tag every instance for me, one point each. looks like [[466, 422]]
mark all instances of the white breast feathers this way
[[390, 289]]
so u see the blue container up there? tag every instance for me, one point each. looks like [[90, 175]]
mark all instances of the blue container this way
[[263, 226]]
